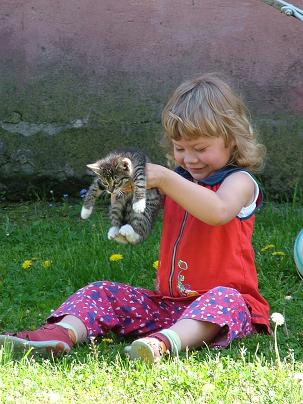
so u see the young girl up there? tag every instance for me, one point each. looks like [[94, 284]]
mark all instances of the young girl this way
[[207, 289]]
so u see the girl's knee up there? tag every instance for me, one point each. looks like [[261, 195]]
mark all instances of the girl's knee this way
[[100, 284], [226, 290]]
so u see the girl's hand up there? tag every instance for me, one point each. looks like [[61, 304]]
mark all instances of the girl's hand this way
[[154, 175]]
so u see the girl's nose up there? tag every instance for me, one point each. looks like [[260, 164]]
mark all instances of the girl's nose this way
[[190, 158]]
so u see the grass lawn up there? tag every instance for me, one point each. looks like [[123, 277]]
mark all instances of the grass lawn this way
[[67, 253]]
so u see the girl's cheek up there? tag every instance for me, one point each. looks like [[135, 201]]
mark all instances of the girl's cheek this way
[[178, 157]]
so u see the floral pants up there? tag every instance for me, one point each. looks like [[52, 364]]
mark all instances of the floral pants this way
[[131, 311]]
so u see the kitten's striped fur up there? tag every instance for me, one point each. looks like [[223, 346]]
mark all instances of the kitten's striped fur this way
[[133, 207]]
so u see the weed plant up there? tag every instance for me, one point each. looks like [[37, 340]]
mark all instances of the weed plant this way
[[48, 252]]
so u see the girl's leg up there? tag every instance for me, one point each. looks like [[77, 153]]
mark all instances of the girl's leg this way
[[215, 319], [93, 311], [76, 328], [104, 306], [194, 333]]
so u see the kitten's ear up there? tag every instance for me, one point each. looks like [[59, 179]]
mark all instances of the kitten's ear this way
[[127, 165], [94, 167]]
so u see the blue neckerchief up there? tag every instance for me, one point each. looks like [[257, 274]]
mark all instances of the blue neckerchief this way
[[216, 178]]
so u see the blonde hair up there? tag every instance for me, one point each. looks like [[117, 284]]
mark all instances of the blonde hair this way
[[207, 106]]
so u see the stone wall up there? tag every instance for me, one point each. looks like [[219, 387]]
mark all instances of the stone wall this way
[[80, 78]]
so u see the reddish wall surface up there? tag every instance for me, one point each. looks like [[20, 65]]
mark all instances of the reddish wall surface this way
[[80, 77], [156, 44]]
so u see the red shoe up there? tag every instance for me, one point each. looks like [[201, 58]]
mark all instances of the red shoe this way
[[51, 338]]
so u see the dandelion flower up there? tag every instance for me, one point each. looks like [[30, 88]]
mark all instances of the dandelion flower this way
[[107, 340], [116, 257], [277, 318], [267, 247], [27, 264], [46, 264], [156, 264], [278, 253]]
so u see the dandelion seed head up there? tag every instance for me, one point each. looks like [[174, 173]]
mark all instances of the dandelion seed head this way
[[277, 318]]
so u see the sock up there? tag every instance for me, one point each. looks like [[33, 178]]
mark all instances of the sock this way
[[74, 324], [174, 340]]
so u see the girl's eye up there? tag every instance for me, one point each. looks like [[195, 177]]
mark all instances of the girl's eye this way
[[178, 149]]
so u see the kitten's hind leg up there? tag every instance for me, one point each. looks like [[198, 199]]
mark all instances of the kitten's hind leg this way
[[129, 233], [113, 234]]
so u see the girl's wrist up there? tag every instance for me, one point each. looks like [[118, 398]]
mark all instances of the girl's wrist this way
[[163, 177]]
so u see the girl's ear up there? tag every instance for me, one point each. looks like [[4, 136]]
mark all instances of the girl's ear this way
[[127, 165], [94, 167]]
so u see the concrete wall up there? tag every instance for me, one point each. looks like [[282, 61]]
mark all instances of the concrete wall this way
[[80, 77]]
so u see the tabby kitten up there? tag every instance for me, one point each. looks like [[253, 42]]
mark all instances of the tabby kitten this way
[[133, 207]]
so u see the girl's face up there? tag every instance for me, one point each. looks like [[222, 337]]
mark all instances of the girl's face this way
[[201, 156]]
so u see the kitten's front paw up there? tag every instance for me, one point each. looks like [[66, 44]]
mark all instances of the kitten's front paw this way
[[85, 213], [129, 233], [139, 206], [113, 232]]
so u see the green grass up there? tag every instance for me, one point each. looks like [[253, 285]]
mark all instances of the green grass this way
[[79, 251]]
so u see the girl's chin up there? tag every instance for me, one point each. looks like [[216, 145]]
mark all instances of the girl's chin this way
[[198, 174]]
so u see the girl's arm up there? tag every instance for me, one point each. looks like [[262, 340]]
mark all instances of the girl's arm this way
[[214, 208]]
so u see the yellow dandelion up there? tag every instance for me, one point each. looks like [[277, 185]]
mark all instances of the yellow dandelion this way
[[116, 257], [156, 264], [46, 264], [278, 253], [107, 340], [267, 247], [27, 264]]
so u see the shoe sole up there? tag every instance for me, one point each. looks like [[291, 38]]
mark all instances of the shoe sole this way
[[41, 347], [141, 350]]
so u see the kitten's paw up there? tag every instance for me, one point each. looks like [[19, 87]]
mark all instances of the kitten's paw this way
[[139, 206], [113, 232], [129, 233], [121, 239], [85, 213]]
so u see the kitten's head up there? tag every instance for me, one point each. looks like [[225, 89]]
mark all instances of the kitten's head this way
[[115, 173]]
